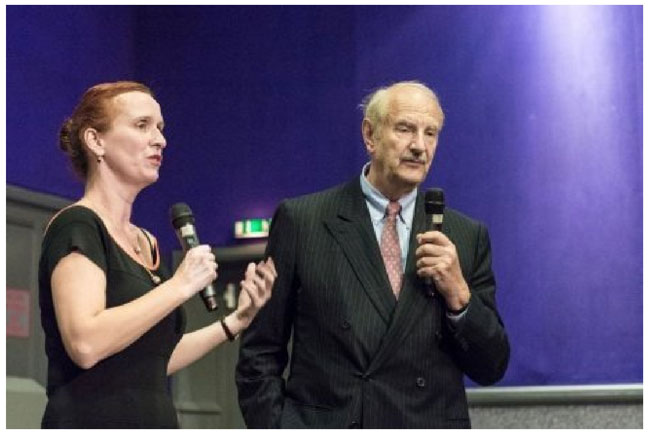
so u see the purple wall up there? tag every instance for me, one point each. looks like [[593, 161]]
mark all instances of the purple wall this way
[[259, 103], [542, 139], [53, 55]]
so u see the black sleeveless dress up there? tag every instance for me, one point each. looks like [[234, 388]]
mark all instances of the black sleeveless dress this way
[[128, 389]]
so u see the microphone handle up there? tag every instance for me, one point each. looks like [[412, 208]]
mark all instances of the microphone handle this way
[[428, 280], [208, 293]]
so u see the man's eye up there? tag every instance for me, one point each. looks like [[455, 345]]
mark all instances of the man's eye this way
[[141, 125]]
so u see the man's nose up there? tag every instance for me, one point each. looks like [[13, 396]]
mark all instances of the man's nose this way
[[418, 143]]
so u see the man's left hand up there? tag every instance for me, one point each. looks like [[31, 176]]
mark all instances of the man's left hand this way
[[436, 257]]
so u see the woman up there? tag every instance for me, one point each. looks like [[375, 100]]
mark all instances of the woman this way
[[112, 316]]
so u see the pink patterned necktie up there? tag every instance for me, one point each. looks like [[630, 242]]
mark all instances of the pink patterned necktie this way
[[390, 248]]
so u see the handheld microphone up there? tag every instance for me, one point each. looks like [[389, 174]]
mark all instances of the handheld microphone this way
[[183, 222], [434, 206]]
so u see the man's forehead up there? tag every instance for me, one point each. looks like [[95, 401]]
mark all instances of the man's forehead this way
[[426, 111], [426, 119]]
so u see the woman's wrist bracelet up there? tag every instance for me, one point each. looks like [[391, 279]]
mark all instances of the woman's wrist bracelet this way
[[228, 332]]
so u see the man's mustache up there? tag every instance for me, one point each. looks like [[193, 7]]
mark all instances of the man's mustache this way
[[412, 159]]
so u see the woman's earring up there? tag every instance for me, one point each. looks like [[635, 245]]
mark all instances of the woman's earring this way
[[99, 159]]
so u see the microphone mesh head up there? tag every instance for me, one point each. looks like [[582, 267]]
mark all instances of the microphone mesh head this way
[[181, 214], [434, 201]]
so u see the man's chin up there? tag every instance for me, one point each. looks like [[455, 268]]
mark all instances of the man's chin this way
[[412, 179], [409, 183]]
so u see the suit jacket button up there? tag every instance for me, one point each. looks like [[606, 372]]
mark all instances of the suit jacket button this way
[[438, 335], [420, 382], [353, 424], [346, 325]]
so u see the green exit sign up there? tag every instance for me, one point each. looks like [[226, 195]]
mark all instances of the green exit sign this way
[[252, 228]]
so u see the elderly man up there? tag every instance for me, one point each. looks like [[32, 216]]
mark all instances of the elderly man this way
[[372, 346]]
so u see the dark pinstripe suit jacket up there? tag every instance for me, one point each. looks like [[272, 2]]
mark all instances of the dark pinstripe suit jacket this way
[[359, 358]]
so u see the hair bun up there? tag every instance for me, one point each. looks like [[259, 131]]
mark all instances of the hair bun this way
[[65, 137]]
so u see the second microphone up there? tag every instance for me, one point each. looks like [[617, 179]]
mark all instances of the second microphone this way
[[184, 222]]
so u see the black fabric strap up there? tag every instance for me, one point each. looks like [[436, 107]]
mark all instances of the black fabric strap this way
[[228, 332], [153, 251]]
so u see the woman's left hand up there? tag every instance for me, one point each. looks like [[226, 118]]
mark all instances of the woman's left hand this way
[[256, 290]]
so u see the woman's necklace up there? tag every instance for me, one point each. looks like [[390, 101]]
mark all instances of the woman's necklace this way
[[136, 246], [154, 277], [138, 250]]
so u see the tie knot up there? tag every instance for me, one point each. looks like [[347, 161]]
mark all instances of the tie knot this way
[[393, 208]]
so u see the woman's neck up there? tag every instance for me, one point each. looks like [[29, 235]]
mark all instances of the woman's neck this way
[[114, 202]]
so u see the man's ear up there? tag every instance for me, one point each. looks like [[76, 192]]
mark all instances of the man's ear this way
[[93, 142], [368, 135]]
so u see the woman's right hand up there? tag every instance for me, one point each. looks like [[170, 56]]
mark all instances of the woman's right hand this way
[[197, 270]]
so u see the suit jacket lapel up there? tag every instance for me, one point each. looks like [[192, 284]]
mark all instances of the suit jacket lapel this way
[[353, 231], [413, 299]]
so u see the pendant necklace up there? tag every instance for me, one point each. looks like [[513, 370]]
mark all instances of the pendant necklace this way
[[136, 247], [155, 278]]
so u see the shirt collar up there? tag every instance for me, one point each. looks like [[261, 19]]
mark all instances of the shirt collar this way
[[377, 202]]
